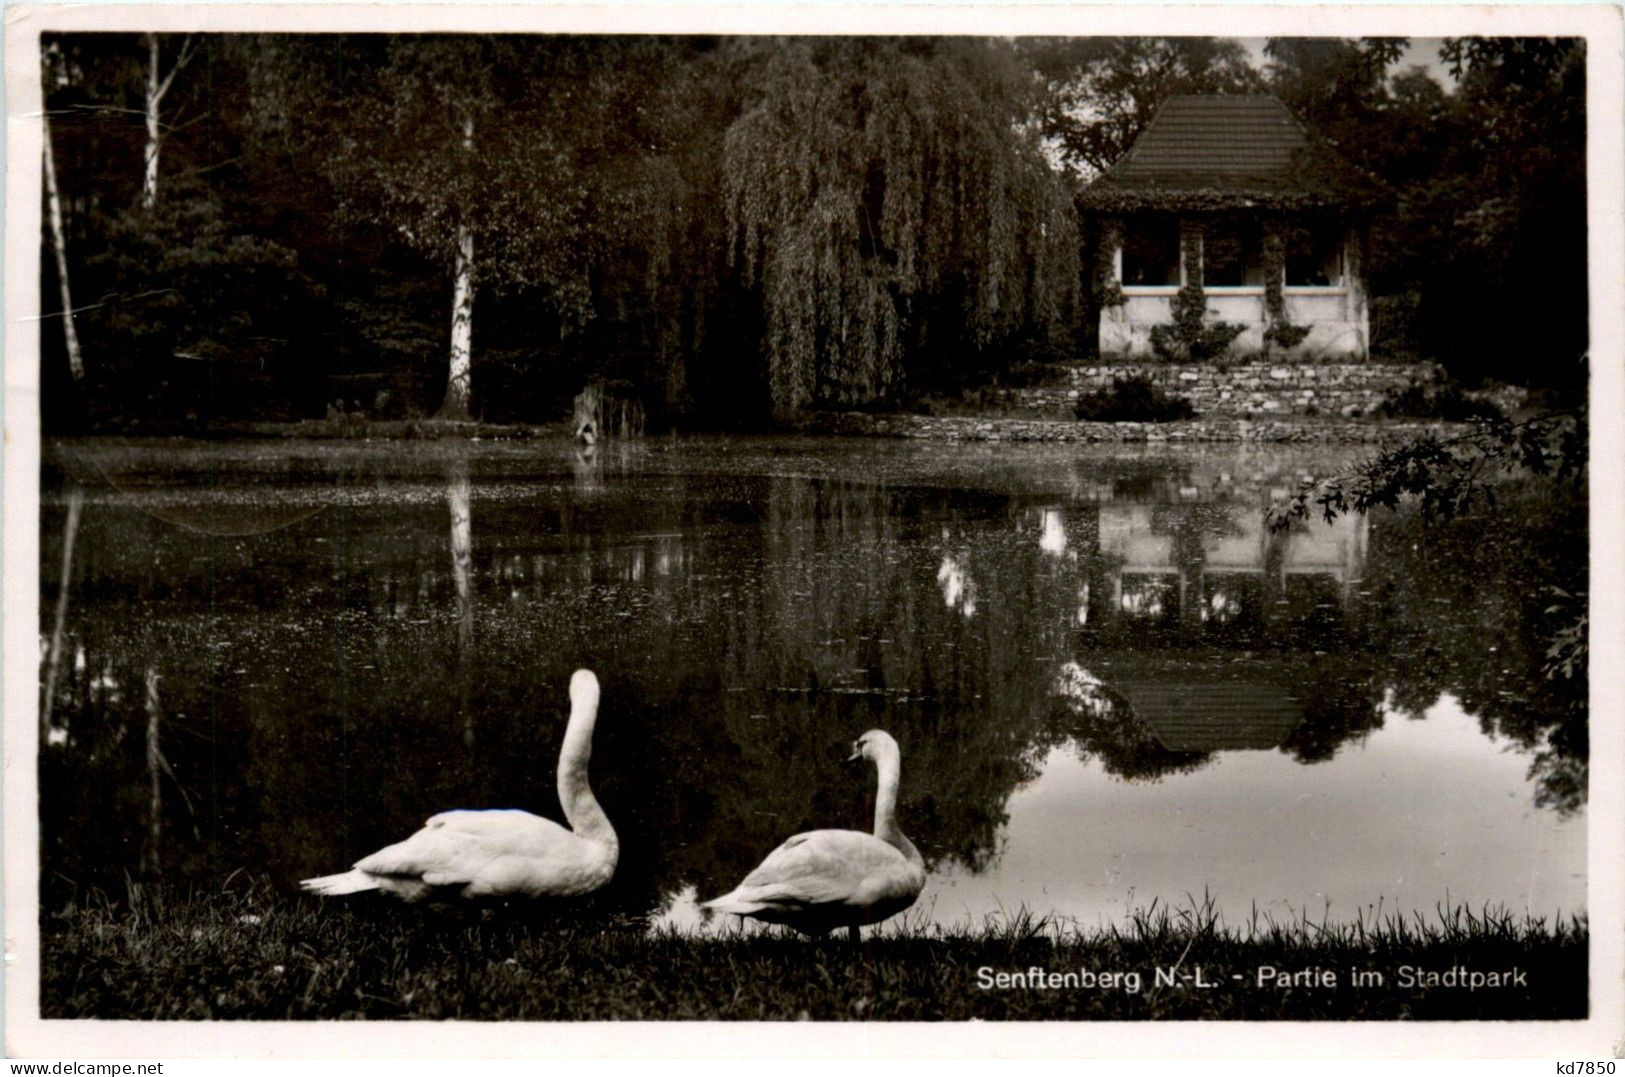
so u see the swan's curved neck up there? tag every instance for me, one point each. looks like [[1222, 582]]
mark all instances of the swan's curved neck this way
[[889, 770], [575, 796]]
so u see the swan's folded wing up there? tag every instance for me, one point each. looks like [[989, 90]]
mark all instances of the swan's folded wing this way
[[528, 855], [434, 854], [577, 867], [476, 819], [504, 830], [818, 868]]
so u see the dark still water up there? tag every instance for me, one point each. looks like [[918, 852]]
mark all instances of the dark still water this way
[[1111, 683]]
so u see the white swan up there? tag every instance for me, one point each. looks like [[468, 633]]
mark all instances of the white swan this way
[[825, 879], [503, 852]]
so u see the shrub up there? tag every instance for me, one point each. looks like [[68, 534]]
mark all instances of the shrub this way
[[1281, 333], [1026, 374], [179, 277], [1396, 327], [1133, 400], [1285, 335], [1191, 336], [1445, 401]]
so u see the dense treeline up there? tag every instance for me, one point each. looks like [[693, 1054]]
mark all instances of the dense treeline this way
[[276, 227]]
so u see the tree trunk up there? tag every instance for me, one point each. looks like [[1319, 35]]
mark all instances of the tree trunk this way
[[462, 330], [149, 183], [462, 312], [156, 88], [59, 243]]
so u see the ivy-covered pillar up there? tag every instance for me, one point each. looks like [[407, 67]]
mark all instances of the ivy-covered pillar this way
[[1112, 338], [1274, 280], [1190, 336], [1108, 284], [1358, 311], [1274, 270], [1189, 305], [1190, 253], [1279, 332]]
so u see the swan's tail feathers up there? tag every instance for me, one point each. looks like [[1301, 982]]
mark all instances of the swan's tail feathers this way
[[734, 903], [346, 882]]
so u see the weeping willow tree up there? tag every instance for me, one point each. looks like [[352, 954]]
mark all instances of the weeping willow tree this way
[[891, 202]]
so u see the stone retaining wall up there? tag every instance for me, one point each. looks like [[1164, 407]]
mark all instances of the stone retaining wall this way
[[1346, 390], [961, 428]]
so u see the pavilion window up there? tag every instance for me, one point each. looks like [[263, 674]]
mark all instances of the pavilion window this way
[[1314, 254], [1151, 252], [1232, 254]]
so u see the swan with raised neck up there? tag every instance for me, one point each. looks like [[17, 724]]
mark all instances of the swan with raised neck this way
[[503, 852], [825, 879]]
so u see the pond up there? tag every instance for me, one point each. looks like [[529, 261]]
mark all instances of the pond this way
[[1113, 685]]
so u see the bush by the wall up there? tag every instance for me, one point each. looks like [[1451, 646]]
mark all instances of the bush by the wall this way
[[1133, 399], [1446, 401], [1191, 336], [1396, 327]]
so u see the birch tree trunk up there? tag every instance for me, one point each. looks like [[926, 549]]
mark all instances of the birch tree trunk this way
[[59, 243], [149, 183], [462, 329], [462, 312], [156, 88]]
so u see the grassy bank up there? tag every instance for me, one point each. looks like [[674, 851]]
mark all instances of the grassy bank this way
[[263, 955]]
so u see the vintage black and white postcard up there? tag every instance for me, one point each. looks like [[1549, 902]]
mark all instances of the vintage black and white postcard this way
[[555, 516]]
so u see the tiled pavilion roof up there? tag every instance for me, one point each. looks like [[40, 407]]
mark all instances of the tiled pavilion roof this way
[[1221, 151]]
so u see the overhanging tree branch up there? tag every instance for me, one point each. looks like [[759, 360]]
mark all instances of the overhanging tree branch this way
[[1448, 477]]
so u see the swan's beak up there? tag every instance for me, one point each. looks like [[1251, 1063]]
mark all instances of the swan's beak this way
[[857, 754]]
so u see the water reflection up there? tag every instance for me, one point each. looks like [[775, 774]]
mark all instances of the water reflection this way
[[1219, 566], [1295, 839], [462, 571], [54, 732], [326, 683]]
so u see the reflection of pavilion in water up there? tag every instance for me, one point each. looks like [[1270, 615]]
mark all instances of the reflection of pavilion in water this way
[[1213, 716], [1157, 717], [1193, 563], [1201, 572]]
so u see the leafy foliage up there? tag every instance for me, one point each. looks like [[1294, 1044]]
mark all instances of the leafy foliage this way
[[1489, 180], [176, 288], [1280, 332], [1191, 336], [1102, 91], [1448, 477], [201, 280], [1285, 335], [1454, 483], [449, 132], [1333, 84], [888, 204], [1133, 399], [1447, 401], [892, 213], [1108, 290]]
